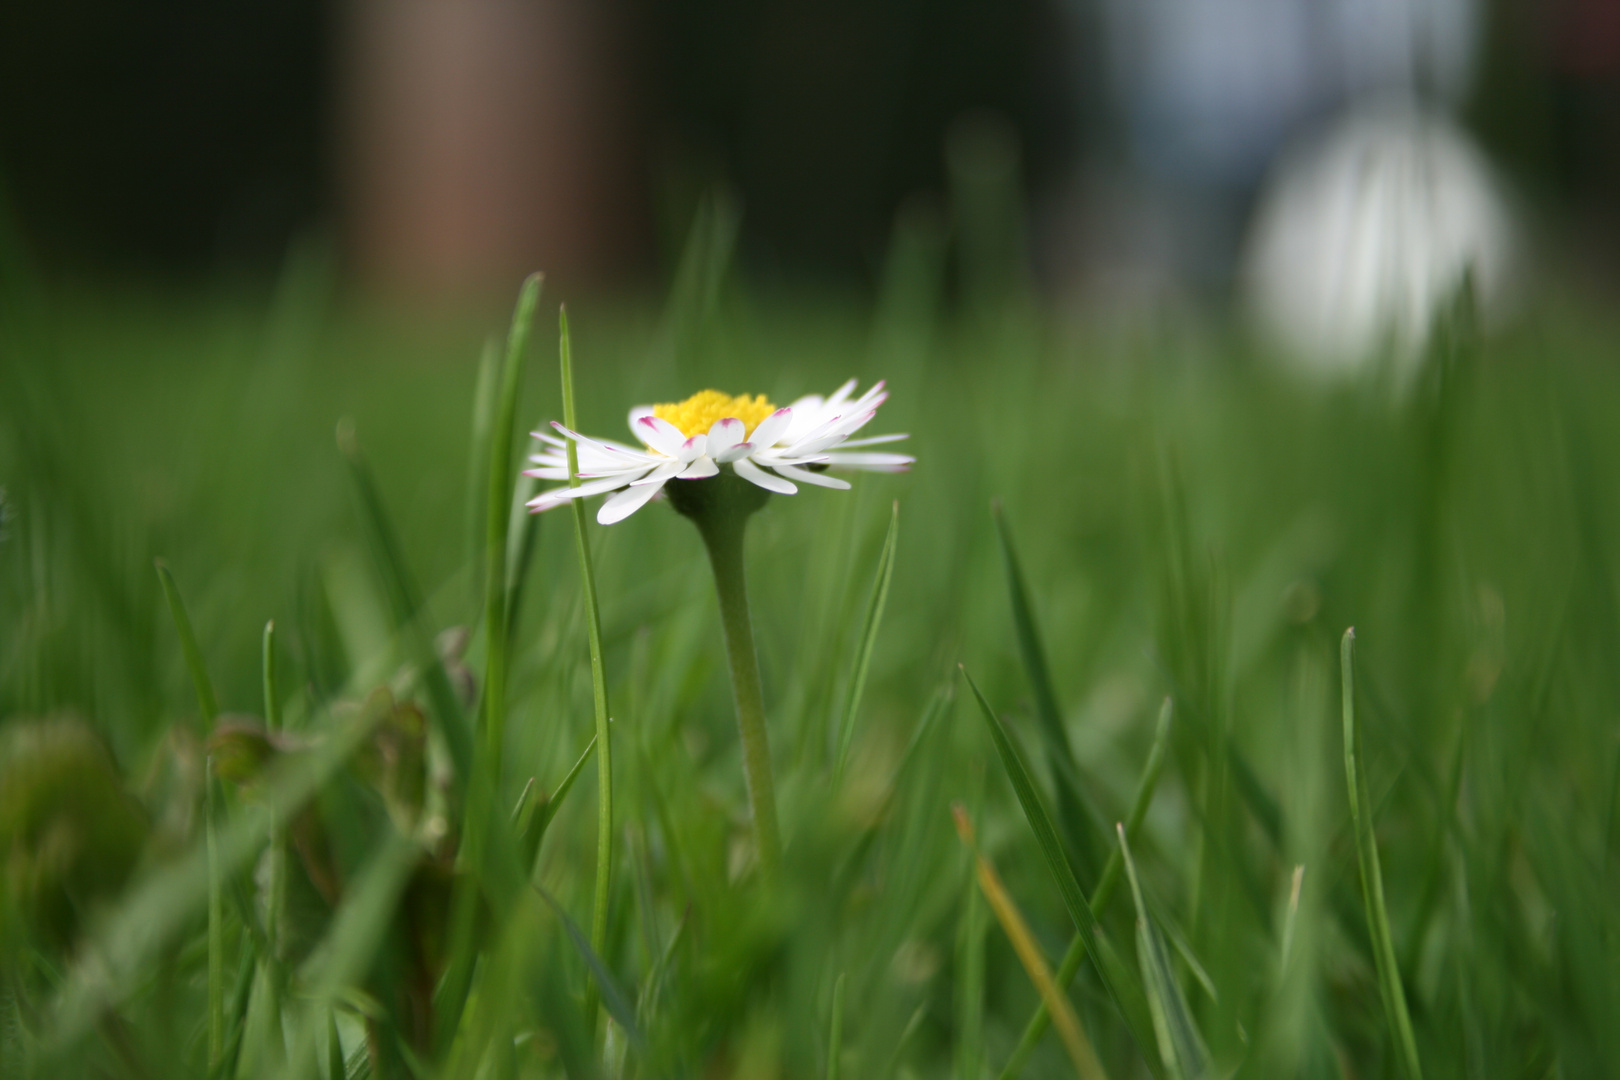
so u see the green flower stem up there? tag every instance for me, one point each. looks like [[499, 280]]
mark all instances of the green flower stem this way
[[720, 508]]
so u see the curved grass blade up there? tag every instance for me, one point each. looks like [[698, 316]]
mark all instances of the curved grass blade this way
[[1079, 824], [612, 997], [1180, 1044], [599, 696], [1372, 878], [1106, 888], [863, 647], [1122, 986], [216, 920], [207, 703], [1081, 1053]]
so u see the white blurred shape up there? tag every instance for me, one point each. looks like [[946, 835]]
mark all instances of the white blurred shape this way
[[1365, 233]]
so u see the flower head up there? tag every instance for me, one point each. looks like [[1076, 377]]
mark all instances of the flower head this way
[[696, 438]]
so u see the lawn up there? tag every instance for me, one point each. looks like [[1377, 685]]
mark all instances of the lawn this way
[[1140, 541]]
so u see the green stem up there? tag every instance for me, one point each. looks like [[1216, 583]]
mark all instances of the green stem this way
[[723, 537]]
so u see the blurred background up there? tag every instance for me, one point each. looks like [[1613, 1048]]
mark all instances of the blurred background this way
[[443, 148]]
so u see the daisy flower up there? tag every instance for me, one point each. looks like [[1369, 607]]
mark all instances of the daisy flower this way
[[774, 449]]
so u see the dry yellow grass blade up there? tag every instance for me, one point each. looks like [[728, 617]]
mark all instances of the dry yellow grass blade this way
[[1029, 954]]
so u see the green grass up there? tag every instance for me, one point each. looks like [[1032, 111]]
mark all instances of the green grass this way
[[1177, 520]]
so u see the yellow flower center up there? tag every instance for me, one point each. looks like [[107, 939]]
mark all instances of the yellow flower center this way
[[697, 413]]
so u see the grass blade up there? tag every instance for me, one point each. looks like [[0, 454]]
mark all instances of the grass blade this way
[[1106, 887], [206, 701], [478, 461], [613, 998], [1115, 976], [405, 601], [1372, 879], [863, 648], [533, 814], [1029, 954], [216, 921], [357, 930], [835, 1035], [1079, 824], [1180, 1044], [156, 910], [497, 520], [593, 625]]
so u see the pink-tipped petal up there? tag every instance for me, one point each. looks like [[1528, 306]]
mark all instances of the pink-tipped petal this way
[[661, 435], [693, 448], [724, 434], [772, 428]]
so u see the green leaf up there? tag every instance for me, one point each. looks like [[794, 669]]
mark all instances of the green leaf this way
[[863, 647], [206, 701], [1180, 1044], [1122, 987], [1372, 878]]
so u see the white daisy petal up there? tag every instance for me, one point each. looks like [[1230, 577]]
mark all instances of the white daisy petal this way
[[873, 440], [661, 435], [660, 474], [772, 428], [725, 434], [874, 462], [625, 503], [701, 469], [805, 476], [756, 475], [636, 414], [557, 496], [693, 448], [841, 395]]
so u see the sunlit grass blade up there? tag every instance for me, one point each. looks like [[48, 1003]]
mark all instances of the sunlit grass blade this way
[[1107, 885], [835, 1030], [405, 602], [1372, 879], [534, 813], [207, 702], [599, 695], [1122, 987], [612, 997], [1180, 1044], [1080, 827], [863, 646], [1012, 922]]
